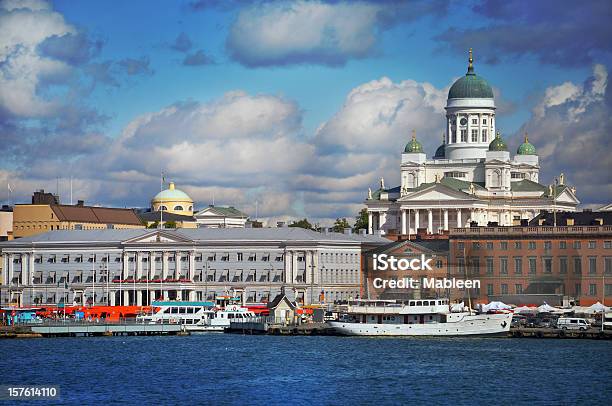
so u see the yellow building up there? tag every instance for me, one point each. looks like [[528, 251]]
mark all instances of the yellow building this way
[[174, 201], [40, 217]]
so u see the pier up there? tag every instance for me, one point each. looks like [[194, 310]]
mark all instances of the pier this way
[[72, 329], [539, 332], [263, 326]]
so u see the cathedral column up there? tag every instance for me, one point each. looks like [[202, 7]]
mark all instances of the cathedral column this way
[[383, 219], [404, 222], [429, 221], [191, 268], [459, 225], [370, 224], [445, 219], [164, 272], [416, 220]]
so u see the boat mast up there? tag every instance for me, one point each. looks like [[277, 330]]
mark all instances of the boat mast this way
[[465, 267]]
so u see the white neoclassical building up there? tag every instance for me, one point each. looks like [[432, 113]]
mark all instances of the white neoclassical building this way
[[472, 178]]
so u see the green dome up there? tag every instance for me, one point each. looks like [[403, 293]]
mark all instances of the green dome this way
[[413, 146], [172, 194], [526, 148], [440, 152], [498, 144], [470, 86]]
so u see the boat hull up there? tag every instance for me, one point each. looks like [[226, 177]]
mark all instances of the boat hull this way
[[469, 325]]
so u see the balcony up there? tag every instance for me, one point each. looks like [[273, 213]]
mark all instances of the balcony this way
[[539, 230]]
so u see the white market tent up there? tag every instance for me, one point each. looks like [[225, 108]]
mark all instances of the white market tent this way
[[496, 306], [525, 309], [598, 308]]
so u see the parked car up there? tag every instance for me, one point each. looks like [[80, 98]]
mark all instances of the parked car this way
[[573, 323]]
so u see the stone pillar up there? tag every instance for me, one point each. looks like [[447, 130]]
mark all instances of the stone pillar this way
[[416, 220], [294, 266], [383, 219], [192, 296], [370, 224], [288, 262], [139, 294], [316, 269], [191, 271], [308, 262], [164, 273], [178, 260], [459, 218], [445, 219], [138, 259], [126, 298], [124, 265], [112, 294], [429, 221], [404, 222]]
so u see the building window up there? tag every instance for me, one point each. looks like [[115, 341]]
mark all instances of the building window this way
[[532, 266], [518, 265], [607, 244], [592, 265], [489, 289], [454, 136], [547, 265], [517, 245], [475, 246], [489, 245], [489, 265], [592, 245], [592, 289], [463, 135], [577, 245], [547, 245], [475, 266], [455, 174], [179, 208], [461, 266], [475, 121], [562, 245], [562, 265], [608, 265], [474, 135], [240, 256], [518, 288], [608, 290], [484, 121], [578, 289], [504, 288], [503, 266], [531, 245], [484, 134], [577, 265], [503, 245], [460, 247]]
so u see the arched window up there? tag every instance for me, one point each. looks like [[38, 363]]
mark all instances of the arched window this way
[[164, 208], [190, 208], [495, 179], [179, 208]]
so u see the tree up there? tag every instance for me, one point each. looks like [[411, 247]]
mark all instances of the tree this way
[[154, 224], [170, 224], [340, 225], [361, 221], [304, 223]]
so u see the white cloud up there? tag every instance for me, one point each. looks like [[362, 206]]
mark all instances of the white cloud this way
[[284, 33], [22, 29]]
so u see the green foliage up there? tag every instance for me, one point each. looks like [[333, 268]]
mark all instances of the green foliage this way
[[170, 224], [340, 225], [361, 221], [304, 223], [155, 224]]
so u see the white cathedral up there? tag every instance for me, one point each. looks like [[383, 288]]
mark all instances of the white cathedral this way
[[471, 179]]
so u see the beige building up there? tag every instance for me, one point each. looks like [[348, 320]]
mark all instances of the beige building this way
[[45, 214], [6, 223], [173, 200]]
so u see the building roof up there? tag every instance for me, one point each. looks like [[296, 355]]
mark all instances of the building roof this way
[[278, 299], [498, 143], [202, 234], [413, 146], [88, 214], [581, 218], [171, 194], [527, 185], [439, 246], [229, 211], [526, 148], [157, 216], [470, 86]]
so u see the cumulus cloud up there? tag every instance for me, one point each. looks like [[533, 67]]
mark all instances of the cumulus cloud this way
[[563, 33], [571, 127], [327, 33]]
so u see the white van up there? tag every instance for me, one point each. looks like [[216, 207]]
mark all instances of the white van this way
[[573, 323], [607, 323]]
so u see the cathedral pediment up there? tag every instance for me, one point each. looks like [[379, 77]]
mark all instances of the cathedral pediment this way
[[437, 192]]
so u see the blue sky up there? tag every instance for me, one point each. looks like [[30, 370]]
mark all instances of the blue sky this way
[[276, 101]]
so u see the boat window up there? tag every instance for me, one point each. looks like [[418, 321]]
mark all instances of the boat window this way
[[167, 310], [174, 310], [419, 303], [412, 303], [182, 310]]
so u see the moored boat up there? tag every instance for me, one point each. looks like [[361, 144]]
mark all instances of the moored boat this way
[[427, 317]]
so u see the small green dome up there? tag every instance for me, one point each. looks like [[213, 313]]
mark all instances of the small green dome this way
[[498, 144], [413, 145], [470, 86], [526, 148]]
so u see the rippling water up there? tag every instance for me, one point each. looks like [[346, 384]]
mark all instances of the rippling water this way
[[234, 369]]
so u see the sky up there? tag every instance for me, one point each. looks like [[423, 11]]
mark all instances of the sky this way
[[293, 108]]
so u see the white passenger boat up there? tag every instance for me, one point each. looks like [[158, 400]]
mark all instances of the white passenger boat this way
[[431, 317], [194, 316]]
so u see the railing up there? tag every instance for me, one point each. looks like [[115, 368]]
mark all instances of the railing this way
[[539, 230]]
